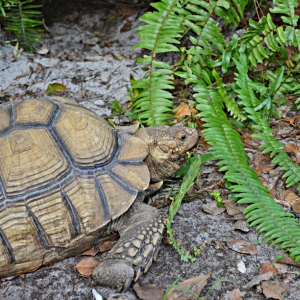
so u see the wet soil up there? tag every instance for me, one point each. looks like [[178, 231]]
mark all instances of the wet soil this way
[[89, 52]]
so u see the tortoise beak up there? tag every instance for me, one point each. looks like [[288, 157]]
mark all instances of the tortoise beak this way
[[192, 140]]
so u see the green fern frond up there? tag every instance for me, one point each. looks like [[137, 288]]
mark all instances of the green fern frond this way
[[23, 19], [227, 146], [230, 104], [287, 8], [153, 104], [262, 39], [163, 28], [227, 11], [270, 144]]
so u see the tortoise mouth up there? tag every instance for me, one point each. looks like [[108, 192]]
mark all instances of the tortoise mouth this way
[[193, 138]]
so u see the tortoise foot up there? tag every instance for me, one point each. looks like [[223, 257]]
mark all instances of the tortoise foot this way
[[116, 273], [141, 231]]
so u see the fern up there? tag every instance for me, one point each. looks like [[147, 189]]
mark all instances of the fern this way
[[263, 212], [23, 19], [162, 30]]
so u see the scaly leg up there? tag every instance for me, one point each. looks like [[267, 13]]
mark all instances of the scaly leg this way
[[140, 231]]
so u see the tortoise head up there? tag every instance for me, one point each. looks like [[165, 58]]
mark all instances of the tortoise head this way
[[167, 148]]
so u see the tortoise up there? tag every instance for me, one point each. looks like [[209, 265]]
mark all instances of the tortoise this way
[[68, 178]]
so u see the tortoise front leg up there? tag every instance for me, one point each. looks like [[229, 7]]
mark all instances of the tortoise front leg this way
[[140, 231]]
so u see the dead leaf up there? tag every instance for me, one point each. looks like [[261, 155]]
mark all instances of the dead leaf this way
[[148, 292], [86, 266], [184, 109], [195, 284], [241, 225], [262, 163], [39, 68], [274, 289], [241, 246], [294, 120], [43, 50], [212, 208], [107, 245], [236, 294], [291, 198], [264, 182], [290, 147], [288, 261], [281, 268], [233, 210], [264, 268], [257, 280]]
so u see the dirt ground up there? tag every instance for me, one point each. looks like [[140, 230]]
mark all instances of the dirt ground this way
[[90, 54]]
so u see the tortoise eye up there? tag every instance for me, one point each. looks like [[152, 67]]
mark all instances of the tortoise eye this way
[[183, 137]]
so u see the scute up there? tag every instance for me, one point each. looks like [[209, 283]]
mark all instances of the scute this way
[[88, 142], [19, 230], [30, 159], [34, 111], [54, 216], [90, 211], [111, 190]]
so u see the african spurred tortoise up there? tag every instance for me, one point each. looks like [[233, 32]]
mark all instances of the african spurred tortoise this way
[[67, 178]]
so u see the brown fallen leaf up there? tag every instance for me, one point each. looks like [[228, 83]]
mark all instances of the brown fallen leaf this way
[[294, 120], [236, 294], [107, 245], [264, 268], [290, 147], [281, 268], [293, 199], [288, 261], [212, 208], [195, 284], [233, 210], [257, 280], [108, 242], [274, 289], [290, 196], [262, 163], [241, 246], [39, 68], [264, 182], [86, 266], [241, 225], [184, 109], [148, 292]]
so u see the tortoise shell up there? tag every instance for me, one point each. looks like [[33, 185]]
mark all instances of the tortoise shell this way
[[65, 173]]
